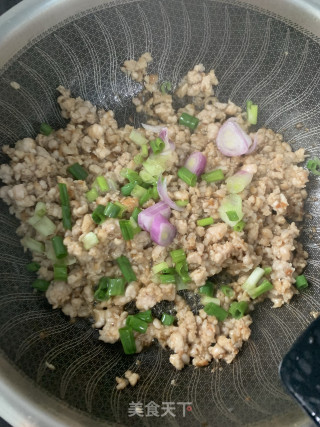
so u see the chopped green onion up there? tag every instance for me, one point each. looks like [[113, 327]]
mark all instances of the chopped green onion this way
[[238, 309], [138, 191], [167, 319], [77, 171], [45, 129], [205, 221], [138, 159], [101, 292], [188, 120], [144, 150], [126, 269], [137, 324], [33, 267], [252, 112], [170, 270], [155, 166], [267, 270], [131, 175], [208, 300], [159, 267], [92, 195], [239, 226], [40, 285], [167, 278], [127, 340], [60, 272], [182, 270], [64, 196], [127, 188], [147, 177], [215, 310], [122, 209], [40, 209], [135, 213], [154, 193], [146, 197], [135, 227], [231, 203], [180, 284], [137, 138], [178, 255], [187, 176], [261, 289], [145, 315], [126, 229], [165, 87], [314, 165], [206, 289], [59, 248], [157, 145], [232, 215], [112, 210], [116, 286], [90, 240], [98, 214], [213, 176], [65, 206], [301, 282], [227, 291], [182, 202], [253, 279], [101, 184], [112, 184], [66, 217], [42, 225], [32, 244]]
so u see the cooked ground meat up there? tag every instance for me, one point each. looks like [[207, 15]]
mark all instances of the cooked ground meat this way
[[271, 204]]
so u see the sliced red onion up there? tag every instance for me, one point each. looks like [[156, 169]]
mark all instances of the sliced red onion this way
[[232, 140], [163, 194], [239, 181], [169, 145], [145, 217], [162, 231], [196, 163], [151, 128], [253, 145]]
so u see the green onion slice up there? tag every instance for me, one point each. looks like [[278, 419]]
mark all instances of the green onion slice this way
[[203, 222], [188, 121], [215, 310], [314, 165], [45, 129], [167, 319], [238, 309], [187, 176], [126, 269], [137, 324], [77, 172], [40, 285], [90, 240], [127, 340], [227, 291], [213, 176], [98, 215], [60, 272], [59, 248], [301, 282], [33, 267]]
